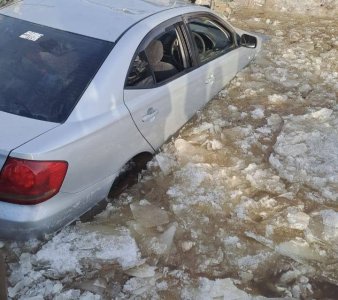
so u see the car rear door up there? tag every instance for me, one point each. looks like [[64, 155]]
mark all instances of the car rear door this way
[[163, 89]]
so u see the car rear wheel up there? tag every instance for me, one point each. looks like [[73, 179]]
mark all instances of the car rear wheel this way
[[127, 178], [129, 174]]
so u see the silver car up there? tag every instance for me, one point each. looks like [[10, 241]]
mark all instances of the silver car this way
[[92, 88]]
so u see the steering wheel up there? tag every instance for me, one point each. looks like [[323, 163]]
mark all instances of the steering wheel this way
[[199, 43], [176, 53]]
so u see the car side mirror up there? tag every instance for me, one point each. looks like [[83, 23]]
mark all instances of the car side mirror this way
[[248, 41]]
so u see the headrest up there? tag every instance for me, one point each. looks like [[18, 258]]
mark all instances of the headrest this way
[[154, 52]]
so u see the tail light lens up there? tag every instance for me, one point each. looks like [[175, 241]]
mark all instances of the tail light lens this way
[[29, 181]]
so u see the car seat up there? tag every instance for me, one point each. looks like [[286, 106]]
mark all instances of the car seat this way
[[162, 70]]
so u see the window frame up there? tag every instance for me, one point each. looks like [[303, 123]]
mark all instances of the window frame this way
[[188, 17], [178, 24]]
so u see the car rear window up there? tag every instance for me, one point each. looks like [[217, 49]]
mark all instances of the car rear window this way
[[44, 71]]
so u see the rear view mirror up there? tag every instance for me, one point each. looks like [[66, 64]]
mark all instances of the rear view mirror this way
[[248, 41]]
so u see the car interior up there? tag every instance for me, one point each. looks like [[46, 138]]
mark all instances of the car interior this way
[[163, 57]]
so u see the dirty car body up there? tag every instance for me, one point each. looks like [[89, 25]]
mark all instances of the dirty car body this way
[[86, 86]]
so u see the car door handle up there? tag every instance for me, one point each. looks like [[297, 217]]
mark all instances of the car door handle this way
[[210, 79], [151, 115]]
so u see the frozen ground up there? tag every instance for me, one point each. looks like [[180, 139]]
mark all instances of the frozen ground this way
[[242, 204]]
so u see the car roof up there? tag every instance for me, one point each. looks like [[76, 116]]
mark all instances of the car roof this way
[[102, 19]]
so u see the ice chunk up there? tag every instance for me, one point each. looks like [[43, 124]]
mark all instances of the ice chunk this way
[[165, 162], [323, 114], [214, 145], [66, 250], [330, 222], [293, 150], [277, 99], [297, 219], [198, 130], [306, 151], [140, 286], [187, 245], [251, 262], [97, 286], [298, 250], [232, 108], [290, 276], [149, 215], [187, 152], [275, 121], [167, 237], [264, 179], [162, 245], [258, 113], [89, 296], [143, 271], [68, 295]]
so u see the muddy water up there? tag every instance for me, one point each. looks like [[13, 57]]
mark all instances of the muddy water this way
[[213, 209]]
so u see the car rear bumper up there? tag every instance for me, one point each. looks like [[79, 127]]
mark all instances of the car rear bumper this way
[[22, 222]]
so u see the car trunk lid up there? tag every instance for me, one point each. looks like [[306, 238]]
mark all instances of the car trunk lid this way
[[16, 130]]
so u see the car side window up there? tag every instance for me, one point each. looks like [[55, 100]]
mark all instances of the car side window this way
[[159, 59], [140, 74], [211, 38]]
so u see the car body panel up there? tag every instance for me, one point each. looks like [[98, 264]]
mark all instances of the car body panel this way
[[94, 149], [78, 16], [16, 130], [174, 104]]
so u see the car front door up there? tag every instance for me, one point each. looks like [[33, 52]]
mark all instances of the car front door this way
[[217, 50], [162, 91]]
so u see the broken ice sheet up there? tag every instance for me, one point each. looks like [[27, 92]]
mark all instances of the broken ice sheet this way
[[163, 243], [306, 151], [143, 287], [330, 222], [264, 179], [258, 113], [299, 250], [67, 249], [297, 219], [165, 162], [143, 271], [149, 215], [187, 152]]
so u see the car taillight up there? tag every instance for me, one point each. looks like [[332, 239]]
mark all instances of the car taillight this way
[[31, 182]]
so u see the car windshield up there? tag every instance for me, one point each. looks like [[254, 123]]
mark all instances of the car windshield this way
[[44, 71]]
